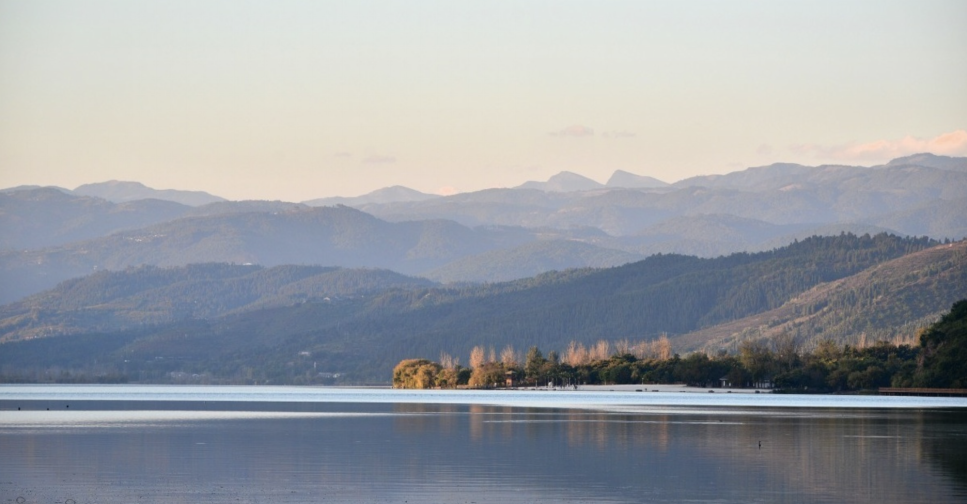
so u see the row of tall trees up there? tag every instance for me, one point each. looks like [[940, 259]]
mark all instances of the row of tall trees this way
[[940, 360]]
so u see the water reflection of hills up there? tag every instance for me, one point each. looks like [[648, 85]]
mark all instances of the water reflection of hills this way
[[452, 453], [827, 455]]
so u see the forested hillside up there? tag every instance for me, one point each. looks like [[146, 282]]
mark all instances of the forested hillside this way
[[149, 295], [887, 302], [363, 337]]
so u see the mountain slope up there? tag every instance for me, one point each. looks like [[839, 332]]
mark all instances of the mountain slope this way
[[621, 178], [44, 217], [887, 301], [391, 194], [148, 295], [47, 216], [931, 161], [329, 236], [119, 191], [938, 219], [366, 336], [563, 182], [779, 195], [529, 260], [49, 236]]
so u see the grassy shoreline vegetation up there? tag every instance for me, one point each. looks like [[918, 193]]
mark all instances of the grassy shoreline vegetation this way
[[938, 361]]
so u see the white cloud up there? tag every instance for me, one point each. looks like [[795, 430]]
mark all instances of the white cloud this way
[[950, 144]]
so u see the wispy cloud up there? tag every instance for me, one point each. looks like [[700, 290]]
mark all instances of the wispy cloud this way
[[376, 159], [764, 150], [575, 131], [951, 144]]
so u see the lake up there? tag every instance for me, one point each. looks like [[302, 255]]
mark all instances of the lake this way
[[195, 444]]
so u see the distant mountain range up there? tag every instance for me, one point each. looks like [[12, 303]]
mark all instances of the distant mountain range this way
[[563, 182], [380, 196], [53, 234], [111, 301], [117, 191], [621, 178], [121, 192]]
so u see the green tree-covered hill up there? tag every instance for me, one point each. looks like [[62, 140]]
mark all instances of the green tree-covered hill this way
[[364, 336], [149, 296]]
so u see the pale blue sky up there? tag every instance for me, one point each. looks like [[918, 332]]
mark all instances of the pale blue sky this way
[[295, 100]]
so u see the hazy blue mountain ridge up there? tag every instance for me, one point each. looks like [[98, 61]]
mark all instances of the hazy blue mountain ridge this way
[[528, 260], [149, 295], [330, 236], [621, 178], [932, 161], [42, 217], [391, 194], [564, 181], [49, 235], [119, 191]]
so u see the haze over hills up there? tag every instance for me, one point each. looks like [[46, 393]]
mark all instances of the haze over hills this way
[[778, 194], [122, 191], [563, 182], [323, 236], [51, 234], [621, 178], [276, 325], [386, 195], [502, 265], [931, 160], [111, 301], [40, 217]]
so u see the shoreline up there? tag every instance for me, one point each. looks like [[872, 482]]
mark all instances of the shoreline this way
[[651, 388]]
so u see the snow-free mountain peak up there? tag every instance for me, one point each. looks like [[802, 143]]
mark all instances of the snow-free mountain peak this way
[[563, 182], [931, 161], [392, 194], [120, 191], [621, 178]]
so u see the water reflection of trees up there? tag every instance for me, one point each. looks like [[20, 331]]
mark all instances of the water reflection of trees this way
[[816, 455], [946, 447], [872, 456]]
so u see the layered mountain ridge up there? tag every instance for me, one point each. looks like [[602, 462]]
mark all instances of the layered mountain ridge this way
[[288, 324], [52, 234]]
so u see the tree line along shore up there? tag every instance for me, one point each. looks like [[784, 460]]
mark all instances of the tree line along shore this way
[[938, 360]]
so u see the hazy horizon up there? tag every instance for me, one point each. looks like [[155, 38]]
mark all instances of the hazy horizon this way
[[301, 100], [380, 187]]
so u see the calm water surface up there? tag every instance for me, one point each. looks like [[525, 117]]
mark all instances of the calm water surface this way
[[79, 444]]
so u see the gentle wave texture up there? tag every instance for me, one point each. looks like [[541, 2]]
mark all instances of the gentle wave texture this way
[[198, 444]]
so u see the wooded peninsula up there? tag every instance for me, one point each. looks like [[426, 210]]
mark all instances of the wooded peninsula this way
[[936, 362]]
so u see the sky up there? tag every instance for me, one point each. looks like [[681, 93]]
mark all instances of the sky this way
[[294, 100]]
